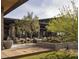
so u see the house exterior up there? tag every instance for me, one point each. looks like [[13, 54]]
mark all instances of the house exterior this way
[[43, 30], [43, 23]]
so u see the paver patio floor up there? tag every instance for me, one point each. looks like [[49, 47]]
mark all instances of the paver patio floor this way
[[13, 52]]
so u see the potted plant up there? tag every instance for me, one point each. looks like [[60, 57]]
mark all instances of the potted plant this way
[[7, 43]]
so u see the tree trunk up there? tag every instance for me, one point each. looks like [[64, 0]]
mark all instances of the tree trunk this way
[[38, 34], [13, 33], [31, 35], [25, 35]]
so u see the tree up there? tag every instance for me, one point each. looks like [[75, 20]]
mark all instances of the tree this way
[[67, 23], [19, 27], [28, 24], [36, 26]]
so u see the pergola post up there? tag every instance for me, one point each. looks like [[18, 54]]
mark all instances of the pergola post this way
[[2, 27]]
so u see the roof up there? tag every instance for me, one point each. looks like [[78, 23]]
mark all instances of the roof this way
[[9, 5]]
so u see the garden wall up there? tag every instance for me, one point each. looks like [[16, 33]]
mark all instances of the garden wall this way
[[57, 46]]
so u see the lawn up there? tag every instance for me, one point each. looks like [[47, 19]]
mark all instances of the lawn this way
[[61, 54]]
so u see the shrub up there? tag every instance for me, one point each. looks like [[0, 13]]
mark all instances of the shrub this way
[[61, 55]]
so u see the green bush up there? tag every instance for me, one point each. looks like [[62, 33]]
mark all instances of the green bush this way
[[60, 55]]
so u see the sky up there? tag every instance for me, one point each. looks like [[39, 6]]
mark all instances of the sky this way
[[41, 8]]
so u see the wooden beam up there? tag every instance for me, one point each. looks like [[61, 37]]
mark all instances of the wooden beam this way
[[20, 2]]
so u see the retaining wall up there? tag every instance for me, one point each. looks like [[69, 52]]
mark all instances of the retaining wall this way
[[56, 46]]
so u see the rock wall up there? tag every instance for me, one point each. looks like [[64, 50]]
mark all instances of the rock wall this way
[[57, 46]]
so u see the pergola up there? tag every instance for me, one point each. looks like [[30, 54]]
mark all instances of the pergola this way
[[6, 7]]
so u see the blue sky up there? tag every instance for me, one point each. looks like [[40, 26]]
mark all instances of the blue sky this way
[[41, 8]]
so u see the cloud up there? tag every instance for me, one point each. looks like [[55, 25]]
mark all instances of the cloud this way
[[41, 8]]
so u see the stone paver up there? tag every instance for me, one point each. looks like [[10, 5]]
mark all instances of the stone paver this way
[[13, 52]]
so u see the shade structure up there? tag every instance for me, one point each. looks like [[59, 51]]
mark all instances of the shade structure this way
[[9, 5]]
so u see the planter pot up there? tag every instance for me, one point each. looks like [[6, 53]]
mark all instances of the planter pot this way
[[7, 44]]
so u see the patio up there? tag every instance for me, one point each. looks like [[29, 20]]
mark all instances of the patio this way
[[22, 49], [18, 50]]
